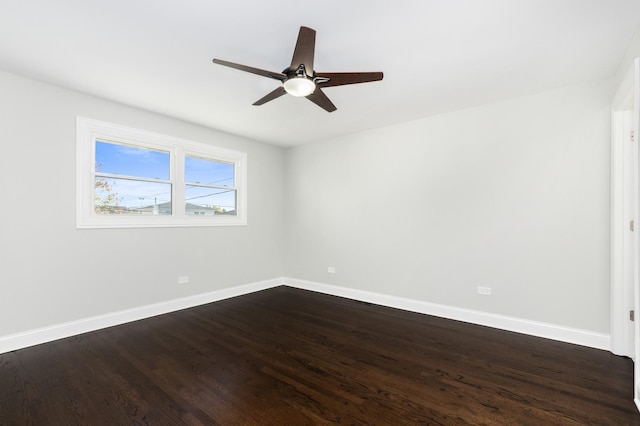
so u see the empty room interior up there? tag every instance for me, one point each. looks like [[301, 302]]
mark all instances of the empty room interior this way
[[440, 229]]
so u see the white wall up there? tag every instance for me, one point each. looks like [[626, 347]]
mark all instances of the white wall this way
[[53, 273], [512, 195], [631, 53]]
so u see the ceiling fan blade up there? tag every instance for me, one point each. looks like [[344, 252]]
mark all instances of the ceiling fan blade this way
[[342, 78], [271, 96], [304, 50], [319, 98], [270, 74]]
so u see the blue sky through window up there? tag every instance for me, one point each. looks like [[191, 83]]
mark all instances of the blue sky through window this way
[[200, 170], [131, 162]]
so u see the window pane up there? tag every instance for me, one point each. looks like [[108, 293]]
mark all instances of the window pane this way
[[131, 161], [208, 172], [131, 197], [210, 201]]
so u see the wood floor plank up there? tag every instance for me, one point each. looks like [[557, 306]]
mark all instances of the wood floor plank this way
[[285, 356]]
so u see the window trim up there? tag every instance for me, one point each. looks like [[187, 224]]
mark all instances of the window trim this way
[[88, 130]]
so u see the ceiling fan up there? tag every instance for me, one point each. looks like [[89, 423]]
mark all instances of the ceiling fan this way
[[300, 79]]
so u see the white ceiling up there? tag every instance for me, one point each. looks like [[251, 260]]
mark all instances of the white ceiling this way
[[436, 55]]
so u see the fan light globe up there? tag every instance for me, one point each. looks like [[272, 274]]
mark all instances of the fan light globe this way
[[299, 86]]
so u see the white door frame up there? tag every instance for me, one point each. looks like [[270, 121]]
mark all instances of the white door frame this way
[[625, 228]]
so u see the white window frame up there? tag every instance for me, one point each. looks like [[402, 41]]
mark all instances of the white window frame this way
[[88, 130]]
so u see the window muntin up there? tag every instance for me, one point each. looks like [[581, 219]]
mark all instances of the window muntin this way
[[133, 178]]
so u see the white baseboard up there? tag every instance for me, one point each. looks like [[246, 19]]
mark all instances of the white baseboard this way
[[533, 328], [550, 331], [59, 331]]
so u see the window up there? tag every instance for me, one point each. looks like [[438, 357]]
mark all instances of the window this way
[[133, 178]]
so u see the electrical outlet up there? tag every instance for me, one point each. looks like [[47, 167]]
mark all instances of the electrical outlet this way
[[183, 279], [331, 270], [485, 291]]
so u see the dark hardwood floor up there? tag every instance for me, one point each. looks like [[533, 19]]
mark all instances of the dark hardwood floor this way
[[291, 357]]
